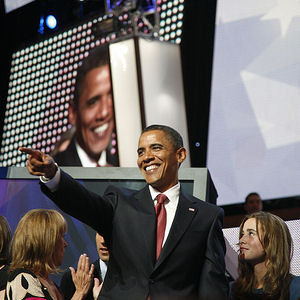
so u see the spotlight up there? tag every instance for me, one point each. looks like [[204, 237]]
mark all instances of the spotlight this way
[[51, 22], [41, 25]]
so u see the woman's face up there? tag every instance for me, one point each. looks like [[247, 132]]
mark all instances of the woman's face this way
[[251, 249], [59, 252]]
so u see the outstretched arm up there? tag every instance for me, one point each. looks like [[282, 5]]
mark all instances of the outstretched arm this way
[[69, 195], [39, 163]]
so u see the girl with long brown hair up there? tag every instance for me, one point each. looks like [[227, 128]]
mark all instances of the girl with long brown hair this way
[[264, 260]]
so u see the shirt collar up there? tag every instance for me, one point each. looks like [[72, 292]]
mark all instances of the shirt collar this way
[[171, 193], [86, 161]]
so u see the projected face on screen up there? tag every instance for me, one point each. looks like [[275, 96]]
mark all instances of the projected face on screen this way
[[92, 114]]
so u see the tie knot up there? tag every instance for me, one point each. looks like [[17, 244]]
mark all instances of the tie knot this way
[[161, 198]]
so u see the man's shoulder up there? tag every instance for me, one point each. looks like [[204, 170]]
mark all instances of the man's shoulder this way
[[126, 192], [68, 157], [201, 203]]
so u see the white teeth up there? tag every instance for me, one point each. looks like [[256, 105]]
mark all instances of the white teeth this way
[[102, 128], [151, 167]]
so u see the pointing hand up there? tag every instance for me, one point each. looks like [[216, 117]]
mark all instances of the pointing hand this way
[[39, 163]]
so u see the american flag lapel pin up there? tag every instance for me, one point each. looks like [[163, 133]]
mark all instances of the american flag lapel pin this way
[[192, 209]]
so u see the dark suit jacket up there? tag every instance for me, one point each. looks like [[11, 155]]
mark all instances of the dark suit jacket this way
[[67, 286], [191, 264], [70, 157]]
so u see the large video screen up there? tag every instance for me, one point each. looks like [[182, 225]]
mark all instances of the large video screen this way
[[254, 128], [42, 86]]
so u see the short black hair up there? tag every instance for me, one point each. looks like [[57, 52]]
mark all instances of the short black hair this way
[[173, 136], [97, 57], [251, 194]]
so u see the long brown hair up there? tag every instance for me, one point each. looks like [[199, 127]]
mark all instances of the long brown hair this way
[[276, 240], [5, 241], [33, 245]]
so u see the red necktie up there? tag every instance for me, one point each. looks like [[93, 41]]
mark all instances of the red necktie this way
[[161, 222]]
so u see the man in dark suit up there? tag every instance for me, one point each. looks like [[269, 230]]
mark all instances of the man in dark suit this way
[[67, 286], [91, 112], [191, 262], [70, 156]]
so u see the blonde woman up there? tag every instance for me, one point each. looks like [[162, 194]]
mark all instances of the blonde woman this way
[[37, 250], [264, 260], [5, 240]]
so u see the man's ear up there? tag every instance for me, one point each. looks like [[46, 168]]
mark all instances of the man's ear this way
[[72, 113], [181, 154]]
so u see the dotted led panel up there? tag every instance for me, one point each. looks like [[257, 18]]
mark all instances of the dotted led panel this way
[[171, 20], [42, 79]]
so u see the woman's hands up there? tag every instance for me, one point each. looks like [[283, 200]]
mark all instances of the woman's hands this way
[[82, 277], [97, 288]]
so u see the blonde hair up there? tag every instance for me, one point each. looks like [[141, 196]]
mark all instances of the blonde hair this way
[[5, 241], [276, 241], [33, 245]]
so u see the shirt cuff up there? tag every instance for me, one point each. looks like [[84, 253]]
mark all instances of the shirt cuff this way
[[53, 183]]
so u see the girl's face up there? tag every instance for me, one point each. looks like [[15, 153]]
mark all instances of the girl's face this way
[[251, 249]]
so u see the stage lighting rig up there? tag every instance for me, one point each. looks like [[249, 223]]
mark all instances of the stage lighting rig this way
[[125, 17]]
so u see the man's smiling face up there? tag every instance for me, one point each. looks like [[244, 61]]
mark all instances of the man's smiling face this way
[[95, 115], [158, 161]]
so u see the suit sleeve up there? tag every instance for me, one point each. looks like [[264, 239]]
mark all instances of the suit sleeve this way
[[67, 286], [88, 207], [213, 283]]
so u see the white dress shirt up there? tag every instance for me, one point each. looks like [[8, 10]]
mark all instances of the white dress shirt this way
[[170, 204], [103, 268]]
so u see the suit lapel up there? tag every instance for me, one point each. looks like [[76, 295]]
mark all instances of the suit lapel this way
[[72, 157], [147, 221], [185, 213], [97, 270]]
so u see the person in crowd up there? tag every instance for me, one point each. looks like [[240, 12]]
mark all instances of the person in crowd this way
[[5, 241], [67, 286], [253, 203], [38, 248], [264, 260], [91, 111], [163, 242]]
